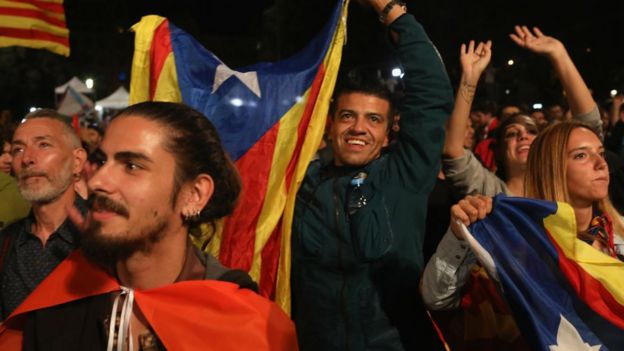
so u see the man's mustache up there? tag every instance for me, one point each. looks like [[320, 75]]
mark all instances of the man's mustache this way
[[103, 203], [32, 173]]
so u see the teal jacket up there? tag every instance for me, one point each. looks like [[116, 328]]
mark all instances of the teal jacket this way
[[355, 277]]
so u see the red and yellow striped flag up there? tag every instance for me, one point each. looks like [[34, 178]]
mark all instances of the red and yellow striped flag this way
[[37, 24], [270, 117]]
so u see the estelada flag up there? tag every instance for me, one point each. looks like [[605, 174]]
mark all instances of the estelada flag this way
[[564, 294], [37, 24], [188, 315], [270, 117]]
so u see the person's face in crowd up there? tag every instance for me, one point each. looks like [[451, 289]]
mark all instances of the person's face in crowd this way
[[44, 161], [132, 204], [474, 118], [91, 137], [482, 118], [469, 136], [518, 139], [540, 118], [604, 116], [359, 128], [556, 113], [6, 159], [508, 111], [587, 173]]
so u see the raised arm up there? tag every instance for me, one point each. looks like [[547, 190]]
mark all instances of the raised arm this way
[[426, 105], [614, 113], [579, 97], [473, 62]]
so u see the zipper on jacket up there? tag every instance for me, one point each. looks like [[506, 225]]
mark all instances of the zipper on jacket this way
[[343, 288]]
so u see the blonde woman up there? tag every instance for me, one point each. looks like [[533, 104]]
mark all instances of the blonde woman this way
[[579, 176], [449, 268], [566, 164]]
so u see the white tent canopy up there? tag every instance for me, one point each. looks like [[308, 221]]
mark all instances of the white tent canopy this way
[[117, 100], [75, 84], [74, 103]]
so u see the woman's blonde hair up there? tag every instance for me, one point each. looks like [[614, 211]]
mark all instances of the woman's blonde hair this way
[[545, 176]]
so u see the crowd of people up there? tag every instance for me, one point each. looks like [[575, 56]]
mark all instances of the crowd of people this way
[[95, 225]]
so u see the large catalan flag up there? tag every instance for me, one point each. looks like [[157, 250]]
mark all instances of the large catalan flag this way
[[564, 294], [38, 24], [270, 116]]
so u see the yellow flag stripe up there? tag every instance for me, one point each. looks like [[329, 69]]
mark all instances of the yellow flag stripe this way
[[606, 269], [35, 44], [167, 86], [275, 198], [32, 23], [29, 6], [310, 146], [140, 76]]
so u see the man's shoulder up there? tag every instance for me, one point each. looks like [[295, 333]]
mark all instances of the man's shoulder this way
[[217, 271], [14, 228]]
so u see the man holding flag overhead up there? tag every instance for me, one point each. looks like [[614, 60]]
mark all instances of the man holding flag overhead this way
[[359, 218], [270, 117]]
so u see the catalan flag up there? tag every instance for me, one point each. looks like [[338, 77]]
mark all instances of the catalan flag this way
[[188, 315], [564, 294], [270, 116], [37, 24]]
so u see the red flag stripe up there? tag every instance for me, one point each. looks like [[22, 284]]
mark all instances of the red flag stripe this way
[[305, 121], [160, 50], [480, 289], [33, 35], [33, 14], [271, 251], [238, 238], [44, 5], [589, 289]]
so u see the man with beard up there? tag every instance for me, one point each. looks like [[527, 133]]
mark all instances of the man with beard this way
[[47, 158], [162, 172]]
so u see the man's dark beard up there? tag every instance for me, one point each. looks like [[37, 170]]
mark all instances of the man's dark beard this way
[[106, 250]]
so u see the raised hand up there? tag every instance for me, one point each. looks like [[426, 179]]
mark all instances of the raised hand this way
[[474, 60], [536, 41]]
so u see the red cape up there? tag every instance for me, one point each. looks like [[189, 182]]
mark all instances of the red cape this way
[[190, 315]]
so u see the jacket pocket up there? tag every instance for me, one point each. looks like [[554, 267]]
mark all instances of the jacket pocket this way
[[371, 230]]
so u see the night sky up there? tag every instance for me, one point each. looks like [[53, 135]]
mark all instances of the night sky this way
[[245, 31]]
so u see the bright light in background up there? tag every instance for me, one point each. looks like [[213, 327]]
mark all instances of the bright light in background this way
[[507, 91], [613, 93], [396, 72], [537, 106], [33, 109], [510, 63], [236, 102], [99, 108], [89, 83], [298, 99]]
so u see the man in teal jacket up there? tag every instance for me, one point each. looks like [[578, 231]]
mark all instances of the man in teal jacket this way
[[360, 218]]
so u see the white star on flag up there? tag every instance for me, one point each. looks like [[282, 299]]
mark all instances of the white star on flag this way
[[568, 338], [223, 73]]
